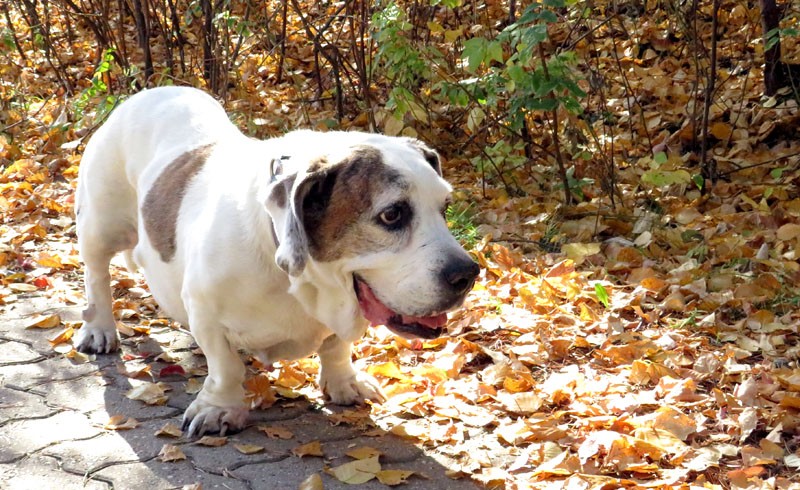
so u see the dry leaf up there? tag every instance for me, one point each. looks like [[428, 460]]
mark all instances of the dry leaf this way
[[121, 422], [248, 448], [63, 337], [313, 448], [394, 477], [170, 430], [44, 321], [356, 472], [170, 452], [212, 441], [275, 432], [363, 452], [193, 386], [149, 393], [313, 482]]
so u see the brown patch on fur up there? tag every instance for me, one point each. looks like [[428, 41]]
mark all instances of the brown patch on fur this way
[[317, 165], [337, 208], [163, 201]]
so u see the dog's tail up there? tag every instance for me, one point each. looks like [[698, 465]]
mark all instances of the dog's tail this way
[[130, 264]]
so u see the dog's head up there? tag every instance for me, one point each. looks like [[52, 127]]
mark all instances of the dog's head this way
[[369, 217]]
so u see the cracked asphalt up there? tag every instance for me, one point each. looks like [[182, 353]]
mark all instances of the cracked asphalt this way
[[52, 413]]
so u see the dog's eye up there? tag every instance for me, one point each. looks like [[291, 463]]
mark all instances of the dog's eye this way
[[394, 216]]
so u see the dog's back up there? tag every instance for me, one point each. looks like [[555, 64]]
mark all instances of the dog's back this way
[[157, 124]]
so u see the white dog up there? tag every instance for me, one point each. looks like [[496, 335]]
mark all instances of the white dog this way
[[282, 247]]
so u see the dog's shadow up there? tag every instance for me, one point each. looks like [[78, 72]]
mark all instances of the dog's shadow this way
[[105, 454]]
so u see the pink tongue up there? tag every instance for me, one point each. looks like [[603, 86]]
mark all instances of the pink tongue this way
[[379, 314]]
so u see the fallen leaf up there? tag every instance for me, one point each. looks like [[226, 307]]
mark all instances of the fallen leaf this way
[[149, 393], [393, 477], [313, 482], [212, 441], [170, 452], [356, 472], [248, 448], [313, 448], [193, 386], [275, 432], [170, 430], [363, 452], [120, 422], [63, 337], [172, 370], [44, 321]]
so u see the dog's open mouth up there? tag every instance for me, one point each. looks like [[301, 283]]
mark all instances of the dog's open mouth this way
[[426, 327]]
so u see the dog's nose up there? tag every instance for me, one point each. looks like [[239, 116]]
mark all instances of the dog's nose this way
[[460, 275]]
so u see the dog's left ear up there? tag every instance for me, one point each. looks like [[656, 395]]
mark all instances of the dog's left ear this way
[[431, 156], [288, 201]]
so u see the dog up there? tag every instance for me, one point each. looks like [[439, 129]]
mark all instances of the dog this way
[[282, 247]]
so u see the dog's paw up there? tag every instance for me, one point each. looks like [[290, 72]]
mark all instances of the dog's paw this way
[[96, 340], [351, 390], [201, 418]]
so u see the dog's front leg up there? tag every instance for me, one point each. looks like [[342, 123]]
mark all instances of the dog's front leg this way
[[338, 379], [220, 405]]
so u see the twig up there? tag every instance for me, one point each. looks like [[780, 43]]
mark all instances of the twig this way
[[746, 167], [708, 167]]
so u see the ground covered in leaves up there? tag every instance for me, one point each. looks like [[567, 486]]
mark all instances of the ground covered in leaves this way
[[650, 343]]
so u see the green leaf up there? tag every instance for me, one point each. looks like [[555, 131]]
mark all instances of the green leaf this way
[[698, 181], [602, 294], [777, 173], [494, 51], [660, 158], [474, 52]]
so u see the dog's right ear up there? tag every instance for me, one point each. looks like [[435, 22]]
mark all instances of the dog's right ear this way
[[287, 229], [289, 200]]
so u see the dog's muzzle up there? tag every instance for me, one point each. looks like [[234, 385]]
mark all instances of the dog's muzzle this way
[[458, 277]]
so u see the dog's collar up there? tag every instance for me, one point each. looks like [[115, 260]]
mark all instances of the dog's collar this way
[[276, 167]]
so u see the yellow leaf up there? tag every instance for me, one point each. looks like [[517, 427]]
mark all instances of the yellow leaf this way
[[47, 260], [393, 477], [48, 321], [248, 448], [150, 393], [578, 252], [313, 482], [392, 126], [169, 430], [120, 422], [275, 432], [258, 391], [720, 130], [675, 422], [313, 448], [291, 377], [194, 385], [170, 453], [212, 441], [788, 231], [356, 472], [363, 452], [63, 337], [387, 370]]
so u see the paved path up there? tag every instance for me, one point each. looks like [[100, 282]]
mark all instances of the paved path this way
[[52, 413]]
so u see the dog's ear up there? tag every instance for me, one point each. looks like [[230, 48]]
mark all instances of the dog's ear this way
[[431, 156], [289, 201]]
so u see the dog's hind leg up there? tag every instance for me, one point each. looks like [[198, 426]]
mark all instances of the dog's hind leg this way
[[106, 224], [99, 332]]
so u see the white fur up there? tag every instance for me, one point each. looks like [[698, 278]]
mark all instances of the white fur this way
[[223, 281]]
